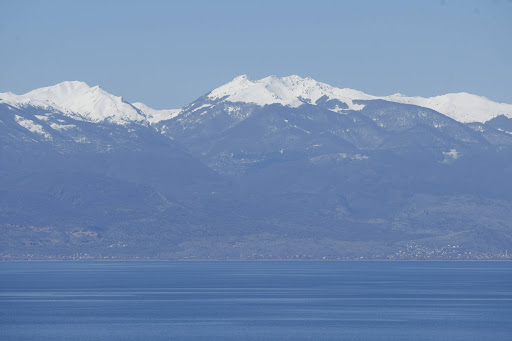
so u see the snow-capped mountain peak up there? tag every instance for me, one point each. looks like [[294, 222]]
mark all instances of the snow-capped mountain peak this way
[[290, 91], [462, 107], [93, 104], [294, 91], [78, 100], [59, 91]]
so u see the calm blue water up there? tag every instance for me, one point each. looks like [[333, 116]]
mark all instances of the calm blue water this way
[[256, 301]]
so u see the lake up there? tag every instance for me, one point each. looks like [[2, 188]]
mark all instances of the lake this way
[[256, 300]]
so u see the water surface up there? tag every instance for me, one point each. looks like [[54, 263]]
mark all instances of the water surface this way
[[256, 301]]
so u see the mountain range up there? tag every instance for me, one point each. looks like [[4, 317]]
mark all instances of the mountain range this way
[[277, 168]]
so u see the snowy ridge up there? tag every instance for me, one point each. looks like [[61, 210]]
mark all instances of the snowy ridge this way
[[290, 91], [462, 107], [293, 91], [92, 104], [78, 100], [154, 115]]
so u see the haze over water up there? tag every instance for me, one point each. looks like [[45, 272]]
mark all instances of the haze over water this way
[[256, 301]]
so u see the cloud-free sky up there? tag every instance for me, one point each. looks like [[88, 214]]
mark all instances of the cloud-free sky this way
[[166, 54]]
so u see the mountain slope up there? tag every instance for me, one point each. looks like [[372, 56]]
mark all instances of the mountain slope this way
[[462, 107], [293, 91], [275, 169], [154, 115], [232, 136], [92, 104]]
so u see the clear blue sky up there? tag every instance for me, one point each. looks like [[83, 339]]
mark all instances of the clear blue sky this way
[[166, 54]]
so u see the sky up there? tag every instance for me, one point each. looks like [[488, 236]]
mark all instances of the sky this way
[[166, 54]]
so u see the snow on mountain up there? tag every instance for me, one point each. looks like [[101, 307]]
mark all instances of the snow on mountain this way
[[290, 91], [154, 115], [32, 126], [78, 100], [293, 91], [462, 107]]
